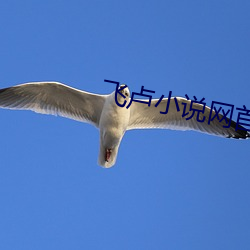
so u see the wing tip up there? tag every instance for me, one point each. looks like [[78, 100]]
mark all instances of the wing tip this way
[[240, 133], [3, 90]]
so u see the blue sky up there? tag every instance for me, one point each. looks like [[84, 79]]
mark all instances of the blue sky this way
[[169, 189]]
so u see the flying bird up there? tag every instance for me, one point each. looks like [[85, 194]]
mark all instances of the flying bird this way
[[113, 121]]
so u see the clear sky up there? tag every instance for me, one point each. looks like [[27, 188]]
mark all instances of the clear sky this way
[[169, 189]]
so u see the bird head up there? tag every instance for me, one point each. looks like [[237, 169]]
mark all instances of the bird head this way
[[124, 90]]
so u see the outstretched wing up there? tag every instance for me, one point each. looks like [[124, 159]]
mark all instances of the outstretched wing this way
[[144, 117], [54, 98]]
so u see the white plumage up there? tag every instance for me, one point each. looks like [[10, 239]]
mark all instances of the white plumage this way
[[113, 121]]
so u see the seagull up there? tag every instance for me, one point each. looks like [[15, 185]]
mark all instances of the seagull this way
[[111, 119]]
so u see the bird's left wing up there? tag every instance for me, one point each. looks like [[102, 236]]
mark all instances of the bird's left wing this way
[[54, 98], [144, 117]]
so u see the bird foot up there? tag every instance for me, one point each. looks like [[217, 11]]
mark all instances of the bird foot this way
[[108, 154]]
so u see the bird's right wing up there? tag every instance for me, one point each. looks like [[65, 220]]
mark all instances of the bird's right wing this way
[[54, 98], [144, 117]]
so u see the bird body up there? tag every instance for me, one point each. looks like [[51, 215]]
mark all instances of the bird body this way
[[113, 120], [113, 125]]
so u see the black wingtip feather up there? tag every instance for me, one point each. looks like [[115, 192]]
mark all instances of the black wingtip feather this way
[[240, 133], [3, 90]]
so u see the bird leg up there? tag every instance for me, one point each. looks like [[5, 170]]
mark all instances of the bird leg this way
[[108, 154]]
